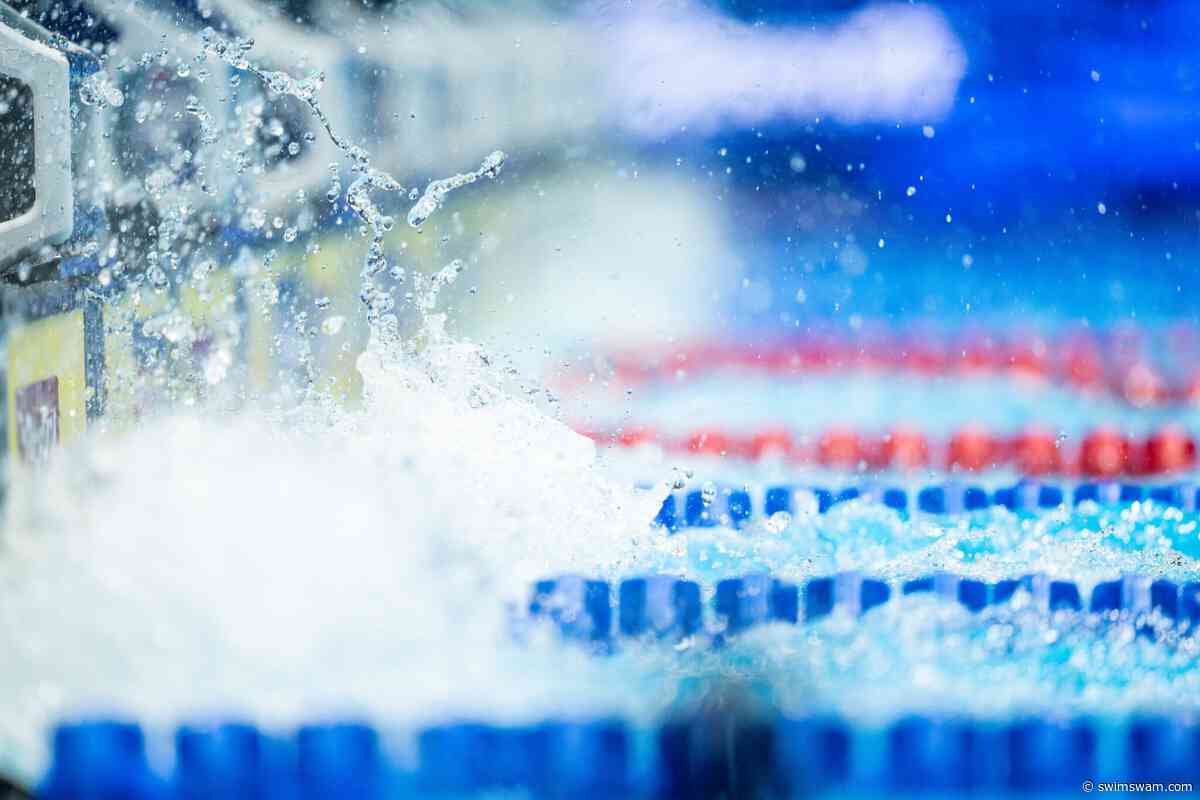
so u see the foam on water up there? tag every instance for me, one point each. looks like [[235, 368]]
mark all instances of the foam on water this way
[[916, 654]]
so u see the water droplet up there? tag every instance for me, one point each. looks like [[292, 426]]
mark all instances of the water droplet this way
[[435, 192], [333, 325], [98, 90], [777, 522]]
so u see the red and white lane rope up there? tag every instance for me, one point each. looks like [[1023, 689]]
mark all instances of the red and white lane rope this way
[[1102, 453], [1133, 367]]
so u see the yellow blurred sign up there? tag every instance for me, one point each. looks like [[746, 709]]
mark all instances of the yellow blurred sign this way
[[47, 385]]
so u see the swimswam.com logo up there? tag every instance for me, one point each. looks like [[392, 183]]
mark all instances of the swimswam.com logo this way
[[1089, 787]]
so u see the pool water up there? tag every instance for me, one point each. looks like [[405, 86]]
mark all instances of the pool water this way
[[304, 561]]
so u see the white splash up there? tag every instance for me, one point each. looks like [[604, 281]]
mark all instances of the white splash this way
[[435, 192], [280, 571]]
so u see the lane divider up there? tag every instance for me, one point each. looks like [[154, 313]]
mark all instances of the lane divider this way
[[1133, 367], [734, 506], [692, 753], [671, 608], [1102, 453]]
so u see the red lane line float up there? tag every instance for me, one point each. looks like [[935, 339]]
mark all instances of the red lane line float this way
[[974, 450], [1168, 450], [840, 449], [1102, 453], [1036, 452], [903, 449], [777, 443]]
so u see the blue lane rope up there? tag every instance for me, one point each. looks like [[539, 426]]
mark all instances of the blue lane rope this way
[[666, 607], [737, 506], [687, 755]]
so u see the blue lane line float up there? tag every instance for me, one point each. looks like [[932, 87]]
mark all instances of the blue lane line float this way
[[607, 758], [666, 607], [661, 606], [734, 507], [552, 759], [100, 759], [580, 607], [848, 591], [743, 603]]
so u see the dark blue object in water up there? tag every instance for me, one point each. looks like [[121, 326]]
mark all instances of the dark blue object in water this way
[[583, 760], [1047, 595], [667, 515], [1107, 493], [1028, 495], [339, 760], [696, 512], [1137, 594], [218, 762], [738, 507], [660, 604], [896, 499], [449, 759], [755, 599], [1163, 751], [718, 754], [463, 758], [932, 500], [727, 506], [952, 499], [1045, 755], [933, 755], [814, 755], [102, 760], [580, 607], [972, 594], [777, 499], [848, 591]]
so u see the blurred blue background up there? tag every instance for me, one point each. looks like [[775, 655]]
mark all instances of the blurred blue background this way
[[1061, 181]]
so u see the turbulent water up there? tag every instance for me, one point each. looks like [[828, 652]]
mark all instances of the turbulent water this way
[[244, 565], [284, 565]]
